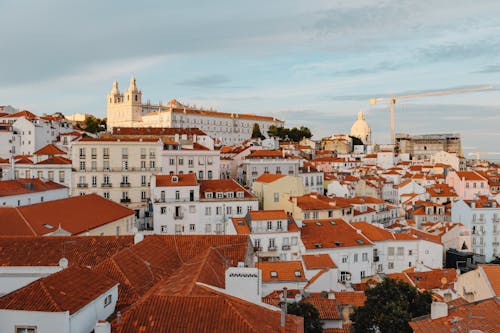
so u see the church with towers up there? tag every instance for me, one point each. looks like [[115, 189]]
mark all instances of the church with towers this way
[[127, 110]]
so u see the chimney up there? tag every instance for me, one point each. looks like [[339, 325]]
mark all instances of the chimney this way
[[102, 326], [138, 237], [283, 310], [331, 294], [439, 310], [118, 317]]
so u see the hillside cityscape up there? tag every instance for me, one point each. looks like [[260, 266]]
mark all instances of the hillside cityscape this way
[[262, 167]]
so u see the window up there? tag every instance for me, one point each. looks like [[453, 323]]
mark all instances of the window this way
[[143, 180], [61, 177], [401, 251], [345, 276], [171, 161], [94, 181], [218, 210], [238, 210], [26, 329], [279, 225], [82, 165], [363, 274], [106, 195], [151, 164], [345, 259], [269, 225], [390, 265], [192, 227], [390, 251], [107, 300], [51, 175], [124, 165], [163, 210], [82, 152], [364, 256], [355, 257], [410, 252], [229, 210], [181, 161], [143, 195], [209, 174], [208, 228], [200, 174], [276, 197], [177, 195], [208, 211]]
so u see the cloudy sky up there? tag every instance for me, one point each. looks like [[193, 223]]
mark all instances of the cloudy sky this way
[[312, 63]]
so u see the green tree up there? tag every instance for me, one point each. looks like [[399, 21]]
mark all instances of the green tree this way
[[256, 134], [390, 306], [312, 324], [94, 125]]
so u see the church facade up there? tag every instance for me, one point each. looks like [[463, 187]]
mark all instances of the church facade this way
[[127, 110]]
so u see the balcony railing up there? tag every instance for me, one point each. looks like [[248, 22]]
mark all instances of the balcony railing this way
[[257, 248], [124, 184], [178, 216], [143, 156], [105, 156], [106, 185], [82, 185], [124, 157], [125, 200], [272, 248], [285, 247]]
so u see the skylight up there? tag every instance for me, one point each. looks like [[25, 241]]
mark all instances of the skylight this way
[[359, 241], [298, 274], [48, 226], [333, 223], [274, 274], [318, 223]]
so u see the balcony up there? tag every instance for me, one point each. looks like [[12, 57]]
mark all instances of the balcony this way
[[82, 185], [257, 248], [143, 156], [144, 199], [125, 200], [105, 156], [124, 157], [82, 157], [106, 185], [124, 184], [272, 248], [178, 217], [285, 247], [94, 156]]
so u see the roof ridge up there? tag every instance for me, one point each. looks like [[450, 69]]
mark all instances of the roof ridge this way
[[44, 288], [26, 221]]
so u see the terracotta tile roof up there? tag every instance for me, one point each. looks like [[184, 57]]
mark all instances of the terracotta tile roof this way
[[493, 274], [23, 160], [50, 149], [261, 215], [318, 261], [376, 234], [268, 177], [434, 279], [308, 202], [424, 235], [482, 315], [213, 312], [285, 271], [241, 225], [331, 233], [47, 250], [188, 179], [68, 290], [118, 139], [354, 298], [326, 307], [265, 153], [469, 175], [55, 160], [4, 160], [25, 113], [223, 185], [24, 186], [75, 215]]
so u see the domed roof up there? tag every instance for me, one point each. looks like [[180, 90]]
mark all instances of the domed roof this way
[[361, 129]]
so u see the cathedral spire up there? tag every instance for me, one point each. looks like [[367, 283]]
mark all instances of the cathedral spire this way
[[132, 86], [115, 88]]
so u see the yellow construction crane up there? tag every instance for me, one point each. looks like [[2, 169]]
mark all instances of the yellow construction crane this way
[[393, 100]]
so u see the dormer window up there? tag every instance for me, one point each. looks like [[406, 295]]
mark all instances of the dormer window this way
[[274, 274], [219, 195], [175, 179], [240, 194], [298, 274], [209, 195], [230, 194]]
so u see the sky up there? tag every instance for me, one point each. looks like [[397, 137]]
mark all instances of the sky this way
[[311, 63]]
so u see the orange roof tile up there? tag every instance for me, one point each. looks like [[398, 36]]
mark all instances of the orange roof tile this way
[[55, 160], [469, 175], [354, 298], [493, 274], [265, 153], [331, 233], [326, 307], [241, 226], [75, 215], [187, 179], [24, 186], [68, 290], [318, 261], [281, 271], [223, 185], [268, 177], [260, 215], [50, 149], [376, 234]]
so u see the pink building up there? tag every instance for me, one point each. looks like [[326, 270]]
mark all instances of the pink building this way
[[468, 184]]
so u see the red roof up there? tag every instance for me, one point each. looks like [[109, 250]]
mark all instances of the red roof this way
[[75, 215], [354, 298], [50, 149], [156, 131], [188, 179], [25, 113], [318, 261], [268, 177], [68, 290], [55, 160], [469, 175], [281, 271], [493, 274], [265, 153], [27, 185], [222, 185], [260, 215], [331, 233], [375, 233]]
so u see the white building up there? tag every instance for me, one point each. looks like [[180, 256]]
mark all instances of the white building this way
[[128, 110], [267, 161], [181, 205], [23, 192], [54, 304], [482, 218], [274, 234]]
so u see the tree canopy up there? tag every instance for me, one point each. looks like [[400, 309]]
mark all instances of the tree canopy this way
[[312, 324], [390, 306], [292, 134], [94, 125], [256, 133]]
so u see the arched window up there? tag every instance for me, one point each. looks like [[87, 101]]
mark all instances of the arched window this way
[[136, 98]]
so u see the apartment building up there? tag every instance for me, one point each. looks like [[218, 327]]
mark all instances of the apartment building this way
[[184, 205], [117, 169], [267, 161]]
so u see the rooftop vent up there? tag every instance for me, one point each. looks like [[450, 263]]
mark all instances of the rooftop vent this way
[[337, 243], [298, 274], [318, 245], [274, 274], [318, 223], [175, 179], [48, 226], [359, 241], [333, 223]]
